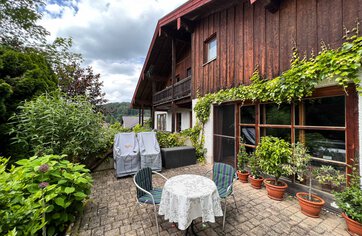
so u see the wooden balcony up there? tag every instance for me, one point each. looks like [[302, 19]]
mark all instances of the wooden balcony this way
[[182, 89]]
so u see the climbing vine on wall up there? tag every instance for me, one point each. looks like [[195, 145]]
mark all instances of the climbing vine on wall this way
[[341, 65]]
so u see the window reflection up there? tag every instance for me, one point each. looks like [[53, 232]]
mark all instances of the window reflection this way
[[275, 114], [280, 133], [247, 135], [247, 114], [325, 144]]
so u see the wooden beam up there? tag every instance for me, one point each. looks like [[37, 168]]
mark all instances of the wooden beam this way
[[173, 75], [178, 23], [143, 102]]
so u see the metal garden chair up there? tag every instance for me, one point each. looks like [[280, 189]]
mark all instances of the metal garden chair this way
[[224, 176], [146, 194]]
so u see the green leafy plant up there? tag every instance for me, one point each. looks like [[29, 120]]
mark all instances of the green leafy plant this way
[[350, 202], [168, 139], [55, 124], [301, 165], [45, 192], [139, 128], [197, 138], [243, 159], [254, 166], [275, 157]]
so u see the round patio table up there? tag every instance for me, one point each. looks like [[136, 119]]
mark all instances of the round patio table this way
[[187, 197]]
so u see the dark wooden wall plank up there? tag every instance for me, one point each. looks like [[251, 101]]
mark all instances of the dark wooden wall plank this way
[[330, 32], [223, 48], [272, 44], [259, 36], [217, 62], [307, 41], [230, 48], [350, 14], [288, 32], [248, 42], [239, 44]]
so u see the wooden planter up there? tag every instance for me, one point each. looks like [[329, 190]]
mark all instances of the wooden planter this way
[[353, 227], [255, 183], [243, 176], [310, 208], [275, 192]]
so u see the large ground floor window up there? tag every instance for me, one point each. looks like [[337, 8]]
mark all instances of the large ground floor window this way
[[325, 122]]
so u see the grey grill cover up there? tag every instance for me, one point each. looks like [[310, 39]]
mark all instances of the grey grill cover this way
[[150, 151], [126, 154]]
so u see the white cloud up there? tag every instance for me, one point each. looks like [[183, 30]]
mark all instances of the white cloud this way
[[112, 35]]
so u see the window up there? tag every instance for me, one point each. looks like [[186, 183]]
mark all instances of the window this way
[[321, 123], [161, 122], [210, 49]]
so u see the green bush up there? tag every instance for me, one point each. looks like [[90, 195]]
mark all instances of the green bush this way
[[41, 192], [54, 124], [275, 156], [243, 158], [168, 139], [350, 202]]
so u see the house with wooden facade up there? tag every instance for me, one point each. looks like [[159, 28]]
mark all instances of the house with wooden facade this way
[[208, 45]]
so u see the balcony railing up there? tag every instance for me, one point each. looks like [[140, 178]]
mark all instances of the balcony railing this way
[[182, 89]]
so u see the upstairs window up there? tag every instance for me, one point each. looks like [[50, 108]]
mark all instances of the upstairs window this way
[[210, 49]]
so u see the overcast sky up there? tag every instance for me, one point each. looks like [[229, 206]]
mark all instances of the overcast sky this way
[[112, 35]]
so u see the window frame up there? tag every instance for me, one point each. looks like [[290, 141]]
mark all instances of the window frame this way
[[207, 42], [350, 131]]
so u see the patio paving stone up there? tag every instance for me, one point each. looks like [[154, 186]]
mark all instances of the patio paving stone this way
[[112, 202]]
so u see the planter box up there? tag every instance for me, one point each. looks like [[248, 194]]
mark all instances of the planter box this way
[[178, 156]]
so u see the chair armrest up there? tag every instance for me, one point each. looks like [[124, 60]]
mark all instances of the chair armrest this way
[[143, 190], [207, 173], [165, 178], [231, 185]]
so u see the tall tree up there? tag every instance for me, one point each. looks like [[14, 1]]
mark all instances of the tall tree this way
[[75, 80], [18, 22]]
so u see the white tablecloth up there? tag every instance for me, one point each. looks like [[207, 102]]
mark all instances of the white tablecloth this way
[[187, 197]]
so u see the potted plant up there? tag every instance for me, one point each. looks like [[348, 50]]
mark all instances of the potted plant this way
[[243, 157], [310, 204], [274, 156], [255, 177], [350, 202]]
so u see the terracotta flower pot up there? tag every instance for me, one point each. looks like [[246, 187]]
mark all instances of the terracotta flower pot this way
[[243, 176], [310, 208], [275, 192], [353, 227], [255, 183]]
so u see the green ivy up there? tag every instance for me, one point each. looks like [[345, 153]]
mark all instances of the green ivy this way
[[341, 65]]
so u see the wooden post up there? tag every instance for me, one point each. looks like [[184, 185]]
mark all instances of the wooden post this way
[[173, 75], [142, 116], [139, 115], [153, 106]]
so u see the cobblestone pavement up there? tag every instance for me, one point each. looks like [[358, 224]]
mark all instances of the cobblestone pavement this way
[[113, 200]]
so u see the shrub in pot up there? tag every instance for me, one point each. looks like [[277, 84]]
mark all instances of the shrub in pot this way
[[243, 158], [275, 157], [350, 202], [310, 204], [255, 177]]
